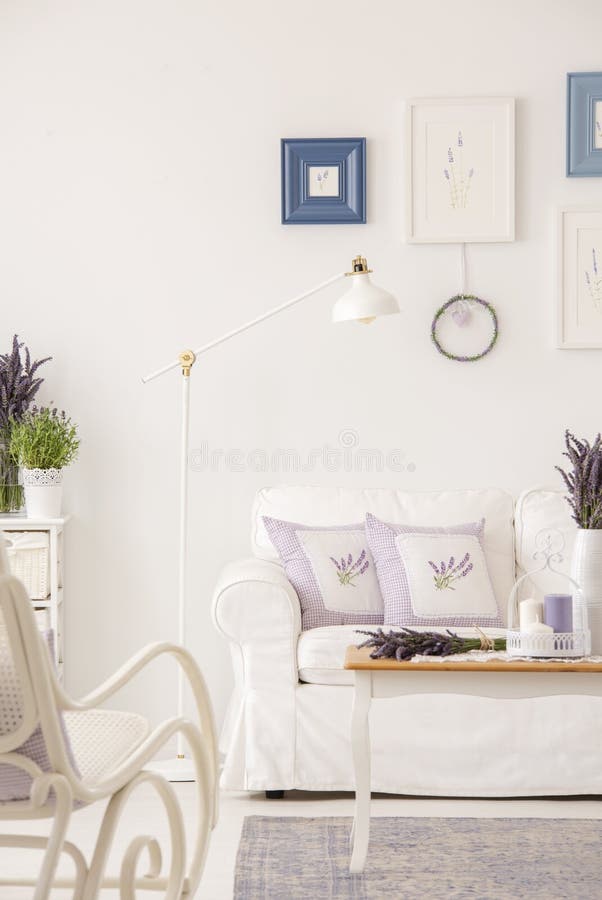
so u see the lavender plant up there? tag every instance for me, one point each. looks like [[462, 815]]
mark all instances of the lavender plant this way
[[348, 570], [44, 439], [584, 481], [19, 384], [447, 573], [406, 643]]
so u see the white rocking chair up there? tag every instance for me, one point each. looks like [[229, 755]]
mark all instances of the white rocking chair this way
[[92, 754]]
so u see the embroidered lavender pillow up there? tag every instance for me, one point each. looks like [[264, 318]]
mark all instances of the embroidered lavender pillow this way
[[433, 575], [332, 571]]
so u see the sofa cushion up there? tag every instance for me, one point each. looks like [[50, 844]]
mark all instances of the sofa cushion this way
[[448, 578], [339, 506], [332, 571], [408, 559], [321, 651]]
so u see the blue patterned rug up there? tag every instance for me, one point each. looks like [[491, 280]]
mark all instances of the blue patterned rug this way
[[285, 858]]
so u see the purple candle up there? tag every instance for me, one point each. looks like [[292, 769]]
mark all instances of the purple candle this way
[[558, 612]]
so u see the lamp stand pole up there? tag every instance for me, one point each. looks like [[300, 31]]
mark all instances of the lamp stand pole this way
[[181, 768]]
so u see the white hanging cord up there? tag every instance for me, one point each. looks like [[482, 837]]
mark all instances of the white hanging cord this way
[[463, 288], [462, 308]]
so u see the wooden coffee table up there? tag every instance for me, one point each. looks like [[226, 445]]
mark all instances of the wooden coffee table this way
[[498, 679]]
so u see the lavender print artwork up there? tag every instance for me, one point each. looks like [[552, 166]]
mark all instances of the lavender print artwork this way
[[348, 570], [593, 280], [456, 175], [447, 573], [321, 178]]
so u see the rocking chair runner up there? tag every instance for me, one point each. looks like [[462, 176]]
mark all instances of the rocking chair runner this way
[[91, 755]]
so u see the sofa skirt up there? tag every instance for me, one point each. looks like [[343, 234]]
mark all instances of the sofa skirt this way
[[448, 746]]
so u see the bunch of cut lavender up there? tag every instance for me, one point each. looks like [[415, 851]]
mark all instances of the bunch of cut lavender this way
[[18, 384], [18, 387], [584, 482], [406, 643]]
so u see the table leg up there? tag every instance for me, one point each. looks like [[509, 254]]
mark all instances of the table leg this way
[[360, 745]]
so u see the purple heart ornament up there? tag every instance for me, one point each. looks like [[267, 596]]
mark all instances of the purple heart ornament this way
[[461, 314]]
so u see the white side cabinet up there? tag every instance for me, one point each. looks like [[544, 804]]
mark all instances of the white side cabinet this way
[[35, 550]]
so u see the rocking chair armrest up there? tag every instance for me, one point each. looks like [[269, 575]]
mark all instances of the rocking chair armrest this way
[[135, 664], [195, 679], [129, 669]]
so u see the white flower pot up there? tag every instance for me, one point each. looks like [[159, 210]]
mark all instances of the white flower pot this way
[[43, 492], [586, 569]]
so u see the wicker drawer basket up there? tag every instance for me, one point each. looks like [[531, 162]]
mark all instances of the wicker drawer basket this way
[[28, 553]]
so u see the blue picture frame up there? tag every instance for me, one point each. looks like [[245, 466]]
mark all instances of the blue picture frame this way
[[323, 181], [584, 128]]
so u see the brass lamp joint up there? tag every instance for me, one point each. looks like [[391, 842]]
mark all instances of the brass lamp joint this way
[[186, 360], [359, 266]]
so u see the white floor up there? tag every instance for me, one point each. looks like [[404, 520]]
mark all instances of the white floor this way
[[144, 817]]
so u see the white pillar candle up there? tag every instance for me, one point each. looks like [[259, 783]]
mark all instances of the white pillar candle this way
[[530, 643], [538, 628], [530, 611]]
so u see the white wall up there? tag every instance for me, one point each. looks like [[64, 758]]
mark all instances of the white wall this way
[[139, 214]]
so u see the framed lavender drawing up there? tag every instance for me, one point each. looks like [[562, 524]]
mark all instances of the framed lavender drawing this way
[[460, 170], [580, 278], [584, 125], [323, 181]]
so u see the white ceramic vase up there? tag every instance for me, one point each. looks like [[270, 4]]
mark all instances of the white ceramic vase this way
[[586, 569], [43, 492]]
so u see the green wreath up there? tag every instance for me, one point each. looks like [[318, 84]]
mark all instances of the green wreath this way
[[443, 309]]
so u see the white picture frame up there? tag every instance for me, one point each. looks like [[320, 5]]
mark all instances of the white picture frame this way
[[460, 170], [579, 322]]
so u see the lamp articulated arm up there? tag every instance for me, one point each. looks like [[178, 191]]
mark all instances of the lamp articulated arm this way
[[362, 303], [188, 357]]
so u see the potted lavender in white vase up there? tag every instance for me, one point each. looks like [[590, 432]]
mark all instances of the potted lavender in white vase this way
[[584, 485], [44, 442]]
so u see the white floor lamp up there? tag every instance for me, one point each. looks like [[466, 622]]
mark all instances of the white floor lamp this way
[[362, 302]]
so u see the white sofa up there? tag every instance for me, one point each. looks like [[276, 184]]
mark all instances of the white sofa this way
[[288, 721]]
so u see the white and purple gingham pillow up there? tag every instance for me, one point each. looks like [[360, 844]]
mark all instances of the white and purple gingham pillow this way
[[393, 578], [287, 538]]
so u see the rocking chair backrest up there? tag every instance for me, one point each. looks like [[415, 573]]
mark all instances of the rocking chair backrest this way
[[18, 710], [31, 726]]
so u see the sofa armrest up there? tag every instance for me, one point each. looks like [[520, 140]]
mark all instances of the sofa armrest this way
[[256, 607]]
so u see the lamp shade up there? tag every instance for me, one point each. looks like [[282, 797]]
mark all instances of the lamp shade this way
[[364, 301]]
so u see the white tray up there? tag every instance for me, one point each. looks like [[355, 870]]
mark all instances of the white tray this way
[[548, 646]]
